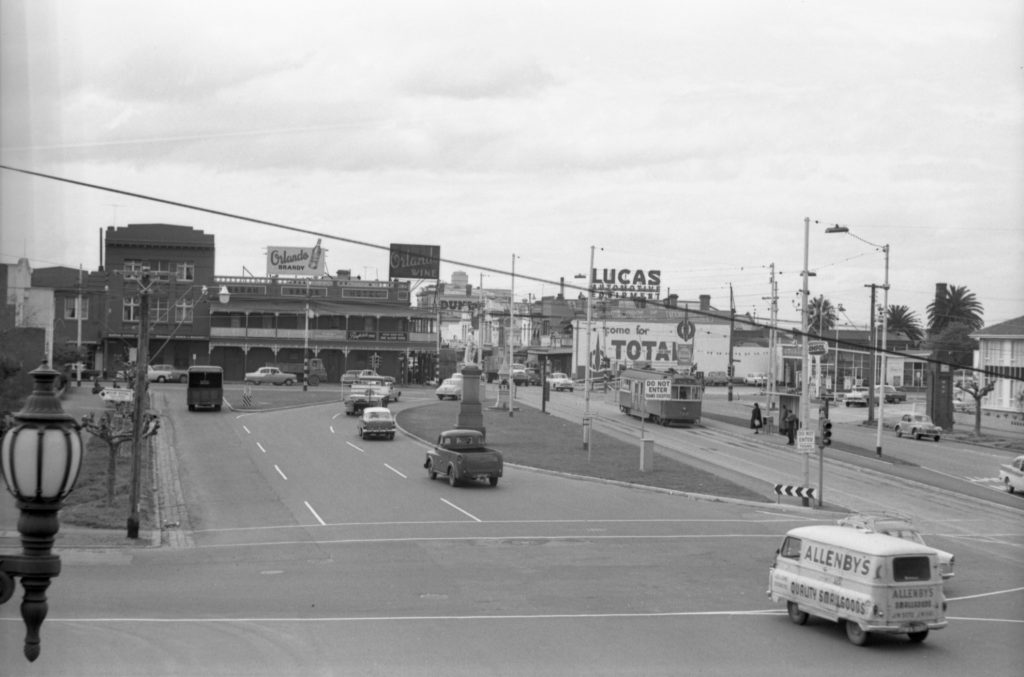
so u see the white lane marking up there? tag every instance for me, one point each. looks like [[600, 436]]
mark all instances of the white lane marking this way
[[361, 451], [469, 515], [279, 472], [261, 447], [984, 594], [395, 471], [318, 518], [246, 429], [331, 428]]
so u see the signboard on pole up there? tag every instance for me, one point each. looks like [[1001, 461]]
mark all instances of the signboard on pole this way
[[660, 389], [805, 441], [817, 348], [417, 261]]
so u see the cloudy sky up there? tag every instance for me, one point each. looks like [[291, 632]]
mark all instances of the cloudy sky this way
[[690, 137]]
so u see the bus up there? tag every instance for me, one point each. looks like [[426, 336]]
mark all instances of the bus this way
[[205, 387], [682, 406]]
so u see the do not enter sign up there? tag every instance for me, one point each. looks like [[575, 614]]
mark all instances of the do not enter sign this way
[[658, 389]]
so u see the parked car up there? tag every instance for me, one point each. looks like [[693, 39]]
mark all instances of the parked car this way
[[1012, 475], [900, 526], [755, 379], [918, 426], [270, 375], [892, 394], [462, 455], [858, 395], [716, 378], [166, 373], [376, 422], [450, 387], [519, 374], [560, 381]]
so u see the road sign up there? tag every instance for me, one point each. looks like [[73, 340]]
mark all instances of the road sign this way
[[817, 348], [805, 440], [658, 389]]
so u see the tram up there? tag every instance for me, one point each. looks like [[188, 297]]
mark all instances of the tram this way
[[683, 406]]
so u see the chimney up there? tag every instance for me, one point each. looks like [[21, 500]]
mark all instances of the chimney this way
[[672, 301], [705, 301]]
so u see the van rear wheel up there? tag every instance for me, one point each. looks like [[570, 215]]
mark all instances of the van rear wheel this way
[[795, 615], [856, 634], [917, 636]]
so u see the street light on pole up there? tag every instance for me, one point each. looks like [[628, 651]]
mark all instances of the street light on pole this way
[[587, 376], [880, 388]]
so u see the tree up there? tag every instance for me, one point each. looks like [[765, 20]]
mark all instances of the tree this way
[[955, 305], [954, 344], [821, 316], [905, 321], [115, 428], [977, 391]]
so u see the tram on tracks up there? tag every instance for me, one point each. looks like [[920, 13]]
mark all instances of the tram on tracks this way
[[682, 407]]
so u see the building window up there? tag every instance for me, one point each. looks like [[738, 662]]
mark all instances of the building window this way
[[69, 309], [130, 309], [158, 309], [186, 272], [184, 310]]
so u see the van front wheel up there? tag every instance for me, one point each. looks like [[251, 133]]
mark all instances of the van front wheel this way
[[917, 636], [856, 634], [795, 615]]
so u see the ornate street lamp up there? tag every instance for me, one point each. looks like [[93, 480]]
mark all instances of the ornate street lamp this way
[[40, 458]]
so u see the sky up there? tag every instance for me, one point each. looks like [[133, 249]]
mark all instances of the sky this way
[[701, 139]]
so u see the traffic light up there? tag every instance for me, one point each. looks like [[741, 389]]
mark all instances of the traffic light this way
[[825, 427]]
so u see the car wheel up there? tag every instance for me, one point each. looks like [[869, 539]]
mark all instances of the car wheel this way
[[795, 615], [898, 432], [391, 436], [936, 438], [288, 382], [1009, 487], [431, 473], [452, 481], [191, 407], [917, 636], [917, 435], [856, 634], [441, 397], [161, 379], [183, 379], [493, 481]]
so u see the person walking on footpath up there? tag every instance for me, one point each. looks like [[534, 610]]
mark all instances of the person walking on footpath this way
[[791, 423], [755, 419]]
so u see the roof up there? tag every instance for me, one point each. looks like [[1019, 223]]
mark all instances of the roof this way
[[866, 542], [1014, 327]]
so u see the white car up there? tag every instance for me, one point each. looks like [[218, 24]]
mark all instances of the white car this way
[[270, 375], [917, 426], [899, 526], [1012, 474], [560, 381], [857, 395], [449, 388], [166, 373]]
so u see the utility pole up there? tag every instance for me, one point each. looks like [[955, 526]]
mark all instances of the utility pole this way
[[732, 328], [141, 382], [774, 308], [871, 372]]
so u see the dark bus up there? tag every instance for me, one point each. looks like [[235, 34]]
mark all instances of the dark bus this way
[[205, 387]]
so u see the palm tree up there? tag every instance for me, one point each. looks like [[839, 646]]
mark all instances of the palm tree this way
[[821, 316], [953, 305], [902, 319]]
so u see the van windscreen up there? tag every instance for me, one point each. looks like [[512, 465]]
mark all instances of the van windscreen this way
[[205, 379], [911, 569]]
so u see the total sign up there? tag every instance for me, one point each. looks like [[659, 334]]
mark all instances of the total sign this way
[[674, 343]]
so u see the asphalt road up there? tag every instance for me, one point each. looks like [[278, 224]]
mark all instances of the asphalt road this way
[[309, 551]]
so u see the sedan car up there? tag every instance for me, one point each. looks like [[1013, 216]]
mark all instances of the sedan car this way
[[166, 373], [856, 396], [376, 422], [461, 454], [449, 387], [1012, 475], [270, 375], [560, 381], [918, 426], [899, 526]]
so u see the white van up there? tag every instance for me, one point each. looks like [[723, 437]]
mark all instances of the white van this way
[[869, 582]]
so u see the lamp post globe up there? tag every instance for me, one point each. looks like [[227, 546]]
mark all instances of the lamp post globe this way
[[40, 459]]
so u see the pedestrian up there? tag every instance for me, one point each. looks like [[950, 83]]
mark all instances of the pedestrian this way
[[791, 423], [755, 419]]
